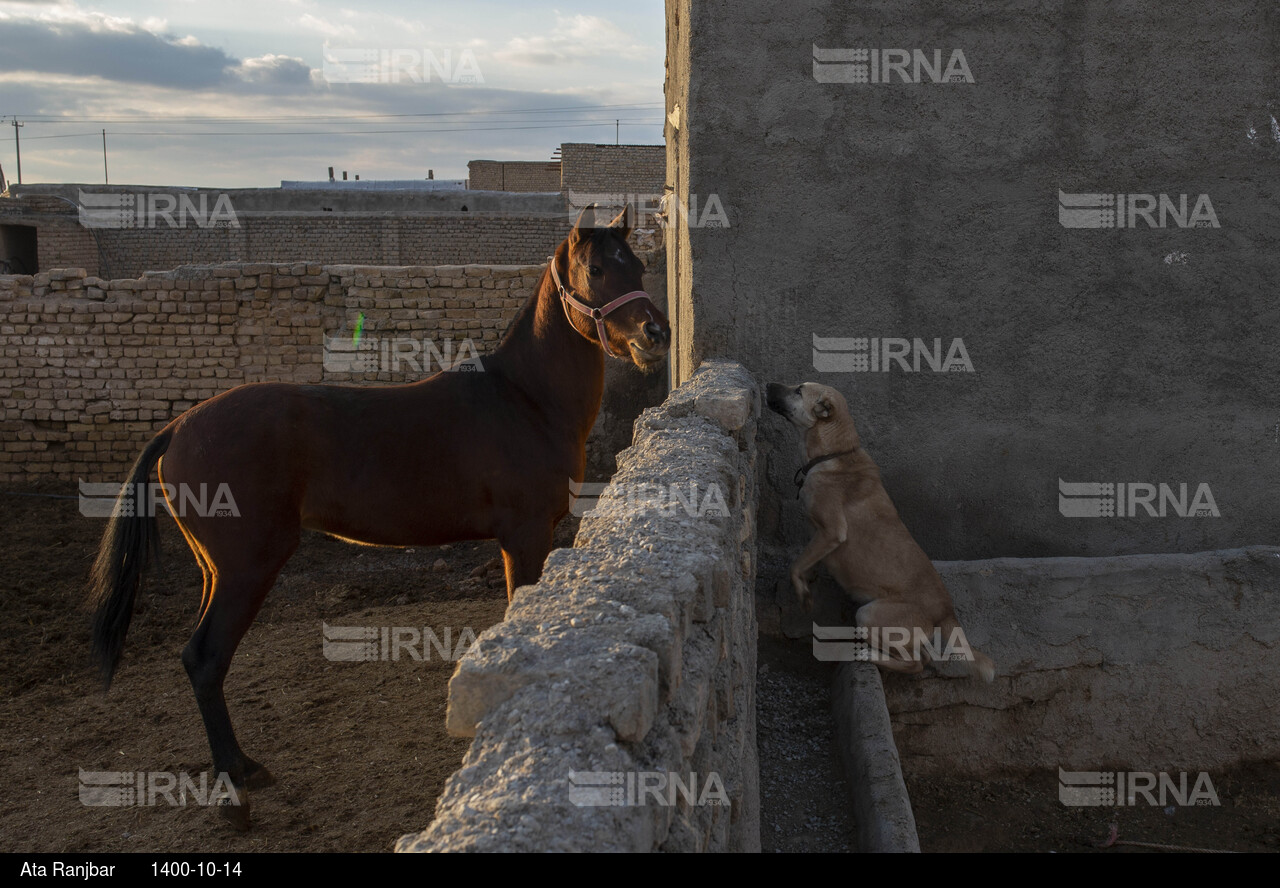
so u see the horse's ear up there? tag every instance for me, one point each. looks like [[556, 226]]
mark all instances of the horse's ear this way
[[582, 228], [622, 223]]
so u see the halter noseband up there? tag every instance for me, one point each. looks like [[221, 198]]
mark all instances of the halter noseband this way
[[596, 314]]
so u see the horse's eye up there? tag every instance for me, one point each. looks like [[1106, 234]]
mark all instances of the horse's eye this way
[[594, 270]]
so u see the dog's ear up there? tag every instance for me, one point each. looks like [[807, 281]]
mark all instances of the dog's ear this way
[[822, 408]]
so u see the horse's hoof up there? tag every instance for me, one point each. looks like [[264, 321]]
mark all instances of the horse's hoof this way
[[259, 778], [234, 808]]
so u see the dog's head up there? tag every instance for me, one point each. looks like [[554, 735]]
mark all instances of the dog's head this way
[[807, 404], [819, 411]]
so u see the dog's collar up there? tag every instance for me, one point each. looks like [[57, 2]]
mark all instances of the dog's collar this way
[[803, 472]]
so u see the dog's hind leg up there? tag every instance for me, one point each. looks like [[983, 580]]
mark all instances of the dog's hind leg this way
[[892, 635]]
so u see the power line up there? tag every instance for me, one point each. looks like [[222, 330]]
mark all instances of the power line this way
[[576, 109], [467, 129]]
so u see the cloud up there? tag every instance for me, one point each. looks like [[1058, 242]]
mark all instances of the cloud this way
[[574, 39], [74, 43], [329, 29], [111, 48], [76, 71], [275, 70]]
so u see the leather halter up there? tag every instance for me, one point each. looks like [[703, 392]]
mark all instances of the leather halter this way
[[596, 314], [802, 473]]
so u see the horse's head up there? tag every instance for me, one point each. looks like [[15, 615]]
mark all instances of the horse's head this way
[[600, 285]]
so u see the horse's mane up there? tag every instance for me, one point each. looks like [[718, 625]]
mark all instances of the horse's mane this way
[[523, 321]]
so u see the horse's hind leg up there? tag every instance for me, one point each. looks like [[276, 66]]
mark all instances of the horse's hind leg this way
[[229, 609]]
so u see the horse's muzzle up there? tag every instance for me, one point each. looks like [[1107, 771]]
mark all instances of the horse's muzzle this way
[[651, 347]]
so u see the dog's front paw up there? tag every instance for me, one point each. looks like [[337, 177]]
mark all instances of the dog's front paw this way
[[801, 585]]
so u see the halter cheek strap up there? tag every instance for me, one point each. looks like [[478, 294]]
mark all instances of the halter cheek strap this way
[[596, 314]]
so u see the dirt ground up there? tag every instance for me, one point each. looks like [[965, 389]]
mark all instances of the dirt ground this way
[[359, 748], [804, 803]]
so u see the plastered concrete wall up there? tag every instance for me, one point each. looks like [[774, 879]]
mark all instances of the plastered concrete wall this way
[[91, 369], [634, 656], [931, 210], [1141, 662]]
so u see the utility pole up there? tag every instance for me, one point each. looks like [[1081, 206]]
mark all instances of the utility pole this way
[[616, 125], [105, 179], [17, 146]]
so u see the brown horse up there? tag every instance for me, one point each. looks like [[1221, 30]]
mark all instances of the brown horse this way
[[457, 456]]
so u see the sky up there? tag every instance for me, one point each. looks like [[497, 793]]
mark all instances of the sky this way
[[246, 93]]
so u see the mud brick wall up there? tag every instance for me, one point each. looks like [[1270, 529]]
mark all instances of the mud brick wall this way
[[625, 169], [91, 369], [632, 659], [515, 175], [435, 239], [315, 237], [62, 243]]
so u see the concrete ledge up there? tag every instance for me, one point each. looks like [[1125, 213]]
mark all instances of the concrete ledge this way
[[1139, 662], [881, 807]]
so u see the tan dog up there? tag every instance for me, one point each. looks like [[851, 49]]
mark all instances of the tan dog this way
[[861, 539]]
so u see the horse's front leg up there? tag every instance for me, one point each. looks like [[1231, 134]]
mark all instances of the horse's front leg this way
[[524, 551]]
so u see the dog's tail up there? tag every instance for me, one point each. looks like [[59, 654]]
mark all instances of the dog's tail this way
[[980, 665]]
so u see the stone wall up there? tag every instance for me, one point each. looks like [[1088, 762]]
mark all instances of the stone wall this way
[[630, 663], [514, 175], [91, 369], [611, 169]]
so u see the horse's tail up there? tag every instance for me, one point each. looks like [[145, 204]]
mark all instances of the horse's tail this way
[[127, 547], [981, 666]]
